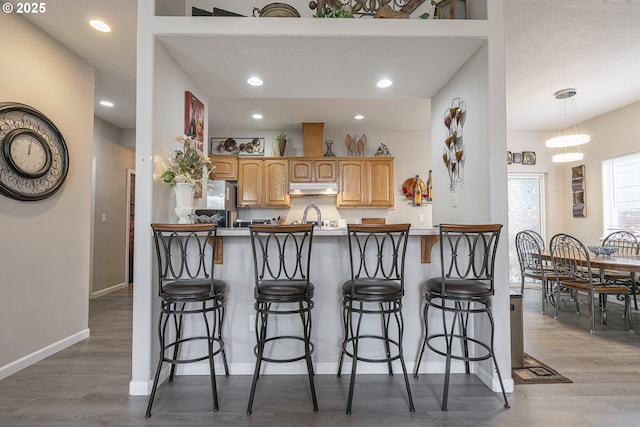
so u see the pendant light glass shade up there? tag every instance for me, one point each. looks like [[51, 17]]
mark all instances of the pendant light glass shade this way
[[569, 133], [567, 157], [568, 140]]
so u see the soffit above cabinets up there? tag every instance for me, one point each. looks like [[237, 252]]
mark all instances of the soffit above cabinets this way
[[327, 79]]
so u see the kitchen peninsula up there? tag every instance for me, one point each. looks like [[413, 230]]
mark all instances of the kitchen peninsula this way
[[470, 65], [329, 268]]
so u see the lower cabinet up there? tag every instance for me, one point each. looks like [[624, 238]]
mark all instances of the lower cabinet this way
[[365, 183], [263, 182]]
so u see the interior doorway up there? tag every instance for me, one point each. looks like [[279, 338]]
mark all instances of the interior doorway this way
[[131, 209], [526, 212]]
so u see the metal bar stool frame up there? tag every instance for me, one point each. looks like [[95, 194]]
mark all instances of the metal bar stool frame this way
[[186, 286], [465, 287], [376, 287], [282, 258]]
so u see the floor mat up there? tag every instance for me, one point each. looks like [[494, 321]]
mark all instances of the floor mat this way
[[536, 372]]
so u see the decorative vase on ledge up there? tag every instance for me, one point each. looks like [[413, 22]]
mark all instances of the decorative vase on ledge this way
[[184, 201]]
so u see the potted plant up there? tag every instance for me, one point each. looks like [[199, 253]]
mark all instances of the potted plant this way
[[186, 165], [184, 172], [279, 143]]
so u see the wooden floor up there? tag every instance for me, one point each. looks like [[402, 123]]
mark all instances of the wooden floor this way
[[87, 385]]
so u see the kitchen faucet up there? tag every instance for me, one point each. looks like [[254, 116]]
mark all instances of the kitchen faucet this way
[[306, 210]]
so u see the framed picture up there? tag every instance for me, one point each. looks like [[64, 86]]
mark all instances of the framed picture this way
[[579, 191], [451, 9], [516, 157], [194, 119], [236, 146], [528, 158], [577, 172]]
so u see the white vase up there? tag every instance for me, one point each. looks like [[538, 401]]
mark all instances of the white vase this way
[[184, 201]]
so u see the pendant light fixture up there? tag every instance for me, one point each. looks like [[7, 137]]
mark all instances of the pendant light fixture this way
[[569, 133]]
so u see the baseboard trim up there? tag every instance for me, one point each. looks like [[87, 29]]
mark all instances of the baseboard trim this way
[[36, 356], [108, 290], [143, 388]]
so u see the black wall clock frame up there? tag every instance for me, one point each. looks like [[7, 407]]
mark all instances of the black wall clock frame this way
[[34, 159]]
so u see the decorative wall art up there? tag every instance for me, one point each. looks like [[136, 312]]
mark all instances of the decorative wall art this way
[[194, 119], [516, 157], [237, 146], [453, 155], [525, 158], [451, 9], [528, 158], [355, 144], [194, 127], [578, 189], [359, 8]]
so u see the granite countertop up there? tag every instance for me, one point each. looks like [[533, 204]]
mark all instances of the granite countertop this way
[[324, 231]]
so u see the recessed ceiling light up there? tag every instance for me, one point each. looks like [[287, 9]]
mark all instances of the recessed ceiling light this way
[[257, 116], [100, 26], [106, 103], [358, 117], [255, 81], [384, 83]]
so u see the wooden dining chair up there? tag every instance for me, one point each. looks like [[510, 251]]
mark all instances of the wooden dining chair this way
[[572, 267]]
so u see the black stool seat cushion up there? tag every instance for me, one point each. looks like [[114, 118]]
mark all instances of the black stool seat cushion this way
[[193, 288], [462, 288], [284, 288], [372, 287]]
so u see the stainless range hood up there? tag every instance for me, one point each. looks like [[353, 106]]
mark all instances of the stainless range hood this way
[[313, 188]]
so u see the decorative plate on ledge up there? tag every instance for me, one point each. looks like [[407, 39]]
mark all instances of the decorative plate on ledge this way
[[237, 146]]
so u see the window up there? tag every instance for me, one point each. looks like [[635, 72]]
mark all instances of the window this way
[[621, 194], [526, 212]]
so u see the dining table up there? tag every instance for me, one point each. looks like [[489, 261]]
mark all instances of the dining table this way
[[616, 261]]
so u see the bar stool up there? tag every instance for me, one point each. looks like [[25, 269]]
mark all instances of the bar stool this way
[[377, 253], [281, 258], [465, 287], [187, 287]]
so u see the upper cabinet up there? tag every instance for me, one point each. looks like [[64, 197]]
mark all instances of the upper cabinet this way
[[224, 167], [365, 182], [313, 170], [263, 182]]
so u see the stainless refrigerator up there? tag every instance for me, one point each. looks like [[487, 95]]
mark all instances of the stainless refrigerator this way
[[221, 203]]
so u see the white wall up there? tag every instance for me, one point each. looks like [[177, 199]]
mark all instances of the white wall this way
[[128, 138], [470, 85], [164, 84], [483, 198], [110, 236], [44, 283]]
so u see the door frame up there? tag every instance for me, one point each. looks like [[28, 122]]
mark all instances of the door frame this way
[[131, 175]]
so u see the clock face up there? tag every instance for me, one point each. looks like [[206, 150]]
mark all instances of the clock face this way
[[28, 153], [34, 160]]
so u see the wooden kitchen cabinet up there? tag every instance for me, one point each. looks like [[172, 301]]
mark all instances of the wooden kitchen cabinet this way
[[225, 168], [276, 183], [365, 183], [263, 182], [313, 170]]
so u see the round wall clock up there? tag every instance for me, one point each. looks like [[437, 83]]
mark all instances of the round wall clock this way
[[34, 160]]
